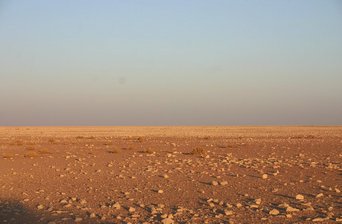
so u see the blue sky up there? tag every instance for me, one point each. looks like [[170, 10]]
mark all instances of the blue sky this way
[[170, 62]]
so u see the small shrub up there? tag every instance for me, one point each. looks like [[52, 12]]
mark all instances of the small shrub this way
[[52, 141], [30, 148], [44, 151], [148, 151], [16, 142], [113, 151], [7, 156], [198, 151], [31, 154], [140, 139]]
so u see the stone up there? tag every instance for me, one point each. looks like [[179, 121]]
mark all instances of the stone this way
[[214, 183], [238, 205], [288, 216], [291, 209], [274, 212], [63, 202], [318, 219], [168, 221], [228, 212], [131, 209], [78, 219], [319, 195], [223, 183], [116, 205], [299, 197]]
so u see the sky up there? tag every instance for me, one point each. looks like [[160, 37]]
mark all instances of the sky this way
[[151, 62]]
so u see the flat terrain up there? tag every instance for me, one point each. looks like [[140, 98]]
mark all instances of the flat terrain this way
[[170, 174]]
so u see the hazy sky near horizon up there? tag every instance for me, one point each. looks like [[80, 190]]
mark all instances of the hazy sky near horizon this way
[[150, 62]]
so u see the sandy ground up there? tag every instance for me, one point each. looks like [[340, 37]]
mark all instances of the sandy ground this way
[[170, 174]]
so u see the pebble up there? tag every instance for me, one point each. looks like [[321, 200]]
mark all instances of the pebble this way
[[228, 212], [299, 197], [116, 205], [160, 191], [63, 202], [274, 212], [238, 205], [78, 219], [264, 176], [319, 195], [40, 207], [292, 209], [214, 183], [223, 183], [167, 221], [318, 219], [131, 209]]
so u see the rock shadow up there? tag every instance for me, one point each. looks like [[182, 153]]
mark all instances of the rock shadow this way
[[15, 212]]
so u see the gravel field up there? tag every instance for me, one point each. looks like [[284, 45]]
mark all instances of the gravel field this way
[[170, 175]]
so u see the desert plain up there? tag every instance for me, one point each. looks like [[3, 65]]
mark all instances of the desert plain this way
[[170, 175]]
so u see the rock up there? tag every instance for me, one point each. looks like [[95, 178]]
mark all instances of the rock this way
[[258, 201], [160, 191], [40, 207], [116, 205], [238, 205], [254, 206], [131, 209], [166, 176], [228, 212], [318, 219], [78, 219], [299, 197], [264, 176], [63, 202], [223, 183], [168, 221], [92, 215], [291, 209], [319, 195], [214, 183], [274, 212]]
